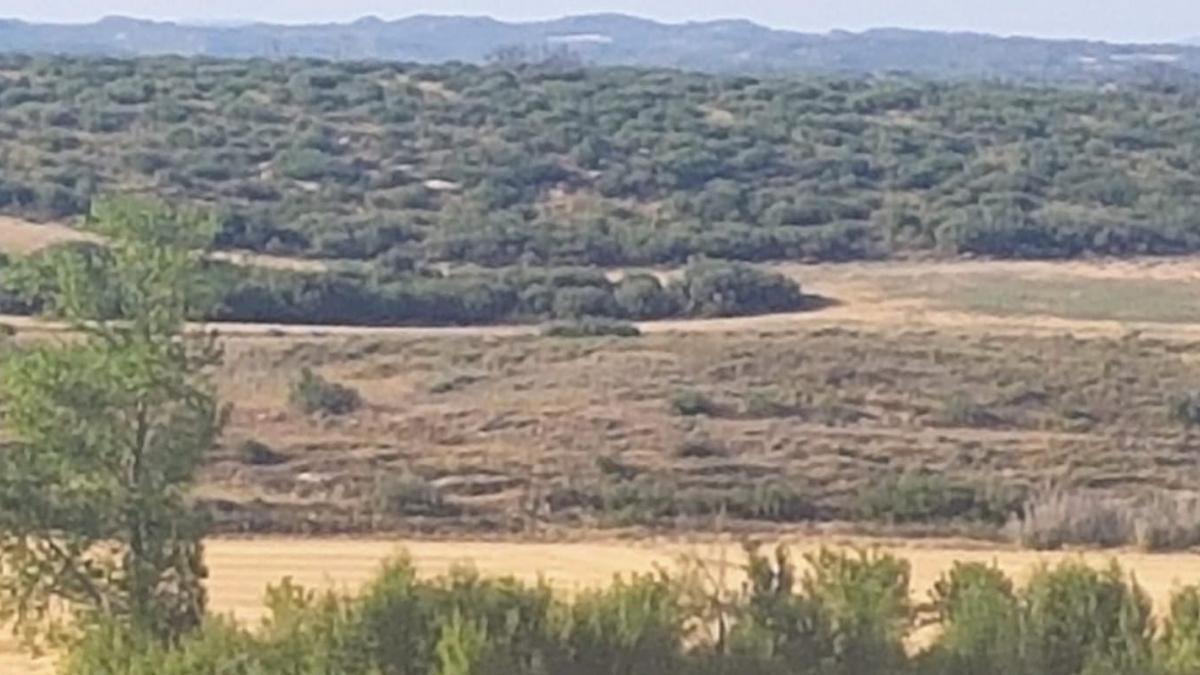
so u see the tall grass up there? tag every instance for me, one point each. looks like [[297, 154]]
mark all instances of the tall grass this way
[[1160, 522]]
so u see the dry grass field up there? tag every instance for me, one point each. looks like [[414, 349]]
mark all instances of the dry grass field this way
[[513, 433]]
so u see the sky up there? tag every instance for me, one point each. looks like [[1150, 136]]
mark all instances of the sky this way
[[1117, 20]]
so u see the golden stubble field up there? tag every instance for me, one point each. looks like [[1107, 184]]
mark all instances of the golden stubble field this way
[[241, 569]]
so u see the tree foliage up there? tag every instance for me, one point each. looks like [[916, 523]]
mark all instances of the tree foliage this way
[[108, 427], [511, 164]]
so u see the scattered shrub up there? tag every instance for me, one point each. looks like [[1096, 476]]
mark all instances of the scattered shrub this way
[[258, 453], [1167, 523], [765, 405], [313, 394], [589, 327], [961, 410], [923, 497], [693, 403], [454, 382], [1058, 518], [701, 447], [1158, 522], [1184, 409], [407, 494]]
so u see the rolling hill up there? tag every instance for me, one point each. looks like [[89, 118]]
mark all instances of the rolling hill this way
[[613, 39]]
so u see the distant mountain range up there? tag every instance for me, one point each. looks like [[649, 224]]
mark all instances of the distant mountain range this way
[[613, 39]]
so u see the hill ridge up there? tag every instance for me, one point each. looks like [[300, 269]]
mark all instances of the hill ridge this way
[[721, 45]]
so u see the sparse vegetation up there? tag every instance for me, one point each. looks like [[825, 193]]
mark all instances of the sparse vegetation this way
[[257, 453], [693, 403], [589, 327], [854, 433], [1157, 522], [407, 494], [312, 394], [930, 498]]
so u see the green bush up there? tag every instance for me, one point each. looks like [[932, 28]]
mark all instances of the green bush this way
[[693, 403], [589, 327], [778, 626], [312, 394], [1184, 409], [701, 447], [914, 497], [728, 289], [1076, 620], [635, 627], [257, 453], [219, 646], [864, 600], [1178, 650], [407, 494], [978, 610]]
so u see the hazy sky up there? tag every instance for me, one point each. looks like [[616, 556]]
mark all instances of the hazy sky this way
[[1143, 20]]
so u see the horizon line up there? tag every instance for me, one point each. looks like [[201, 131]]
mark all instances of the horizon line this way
[[235, 23]]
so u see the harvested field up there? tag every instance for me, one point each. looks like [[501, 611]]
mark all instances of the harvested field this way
[[241, 569]]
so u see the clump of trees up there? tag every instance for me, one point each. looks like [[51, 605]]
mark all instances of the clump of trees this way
[[373, 297]]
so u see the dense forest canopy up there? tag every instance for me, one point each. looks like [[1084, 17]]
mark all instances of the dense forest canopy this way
[[549, 164]]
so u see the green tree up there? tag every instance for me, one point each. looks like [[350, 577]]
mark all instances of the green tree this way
[[107, 429]]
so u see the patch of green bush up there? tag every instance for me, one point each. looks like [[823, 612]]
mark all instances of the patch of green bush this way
[[312, 394], [916, 497], [589, 327], [693, 403], [257, 453], [407, 494]]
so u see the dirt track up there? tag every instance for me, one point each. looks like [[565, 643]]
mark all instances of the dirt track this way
[[865, 296]]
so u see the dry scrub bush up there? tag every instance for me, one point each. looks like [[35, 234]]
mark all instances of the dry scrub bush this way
[[1161, 522], [1054, 519]]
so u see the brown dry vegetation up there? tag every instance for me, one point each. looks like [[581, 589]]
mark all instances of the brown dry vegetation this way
[[516, 433]]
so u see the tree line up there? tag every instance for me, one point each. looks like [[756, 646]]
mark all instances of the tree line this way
[[390, 295]]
